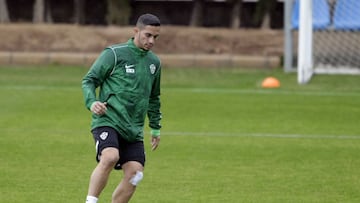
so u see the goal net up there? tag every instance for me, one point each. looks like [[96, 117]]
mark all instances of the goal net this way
[[325, 37]]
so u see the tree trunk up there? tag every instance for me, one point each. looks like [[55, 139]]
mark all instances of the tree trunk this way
[[39, 11], [264, 9], [118, 12], [79, 7], [235, 14], [265, 25], [197, 14], [48, 17], [4, 14]]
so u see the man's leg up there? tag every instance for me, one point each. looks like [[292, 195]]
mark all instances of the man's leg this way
[[132, 171], [100, 175]]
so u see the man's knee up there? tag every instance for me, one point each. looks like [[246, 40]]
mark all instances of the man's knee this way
[[109, 157], [133, 172], [136, 178]]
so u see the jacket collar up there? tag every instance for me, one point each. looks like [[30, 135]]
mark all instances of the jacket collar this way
[[136, 49]]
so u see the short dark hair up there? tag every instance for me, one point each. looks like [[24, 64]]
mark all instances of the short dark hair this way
[[148, 19]]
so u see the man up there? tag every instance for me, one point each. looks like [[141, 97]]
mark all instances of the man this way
[[128, 77]]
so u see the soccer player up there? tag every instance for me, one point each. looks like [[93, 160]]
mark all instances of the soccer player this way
[[128, 78]]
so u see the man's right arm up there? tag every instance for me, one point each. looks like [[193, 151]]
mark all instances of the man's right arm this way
[[97, 74]]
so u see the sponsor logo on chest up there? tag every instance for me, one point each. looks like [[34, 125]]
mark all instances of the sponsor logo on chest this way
[[131, 68]]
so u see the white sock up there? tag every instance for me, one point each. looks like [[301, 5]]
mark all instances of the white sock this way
[[91, 199]]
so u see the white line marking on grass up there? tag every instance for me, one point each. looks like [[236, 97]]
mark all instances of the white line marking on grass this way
[[39, 87], [198, 90], [210, 134], [260, 91], [222, 134]]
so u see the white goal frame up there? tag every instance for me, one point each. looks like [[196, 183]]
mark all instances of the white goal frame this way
[[305, 64]]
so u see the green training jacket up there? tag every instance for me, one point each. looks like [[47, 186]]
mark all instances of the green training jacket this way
[[129, 81]]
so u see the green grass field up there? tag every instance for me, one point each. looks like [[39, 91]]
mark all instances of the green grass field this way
[[224, 138]]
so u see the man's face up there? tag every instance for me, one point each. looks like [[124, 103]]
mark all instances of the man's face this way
[[145, 38]]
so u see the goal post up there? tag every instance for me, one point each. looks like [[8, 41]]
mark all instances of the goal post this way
[[304, 63], [321, 37]]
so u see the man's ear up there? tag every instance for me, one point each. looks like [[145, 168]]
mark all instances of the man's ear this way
[[136, 30]]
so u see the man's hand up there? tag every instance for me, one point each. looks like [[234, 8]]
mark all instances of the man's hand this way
[[155, 142], [98, 108]]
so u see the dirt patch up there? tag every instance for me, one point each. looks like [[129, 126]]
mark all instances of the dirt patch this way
[[173, 40]]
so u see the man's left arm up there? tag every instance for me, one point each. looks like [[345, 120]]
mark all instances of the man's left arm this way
[[154, 113]]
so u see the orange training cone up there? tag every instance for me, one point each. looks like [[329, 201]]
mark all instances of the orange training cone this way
[[270, 82]]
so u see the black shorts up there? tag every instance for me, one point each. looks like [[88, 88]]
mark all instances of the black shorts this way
[[128, 151]]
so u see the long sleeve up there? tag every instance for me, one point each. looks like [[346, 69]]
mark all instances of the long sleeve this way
[[154, 113], [97, 74]]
